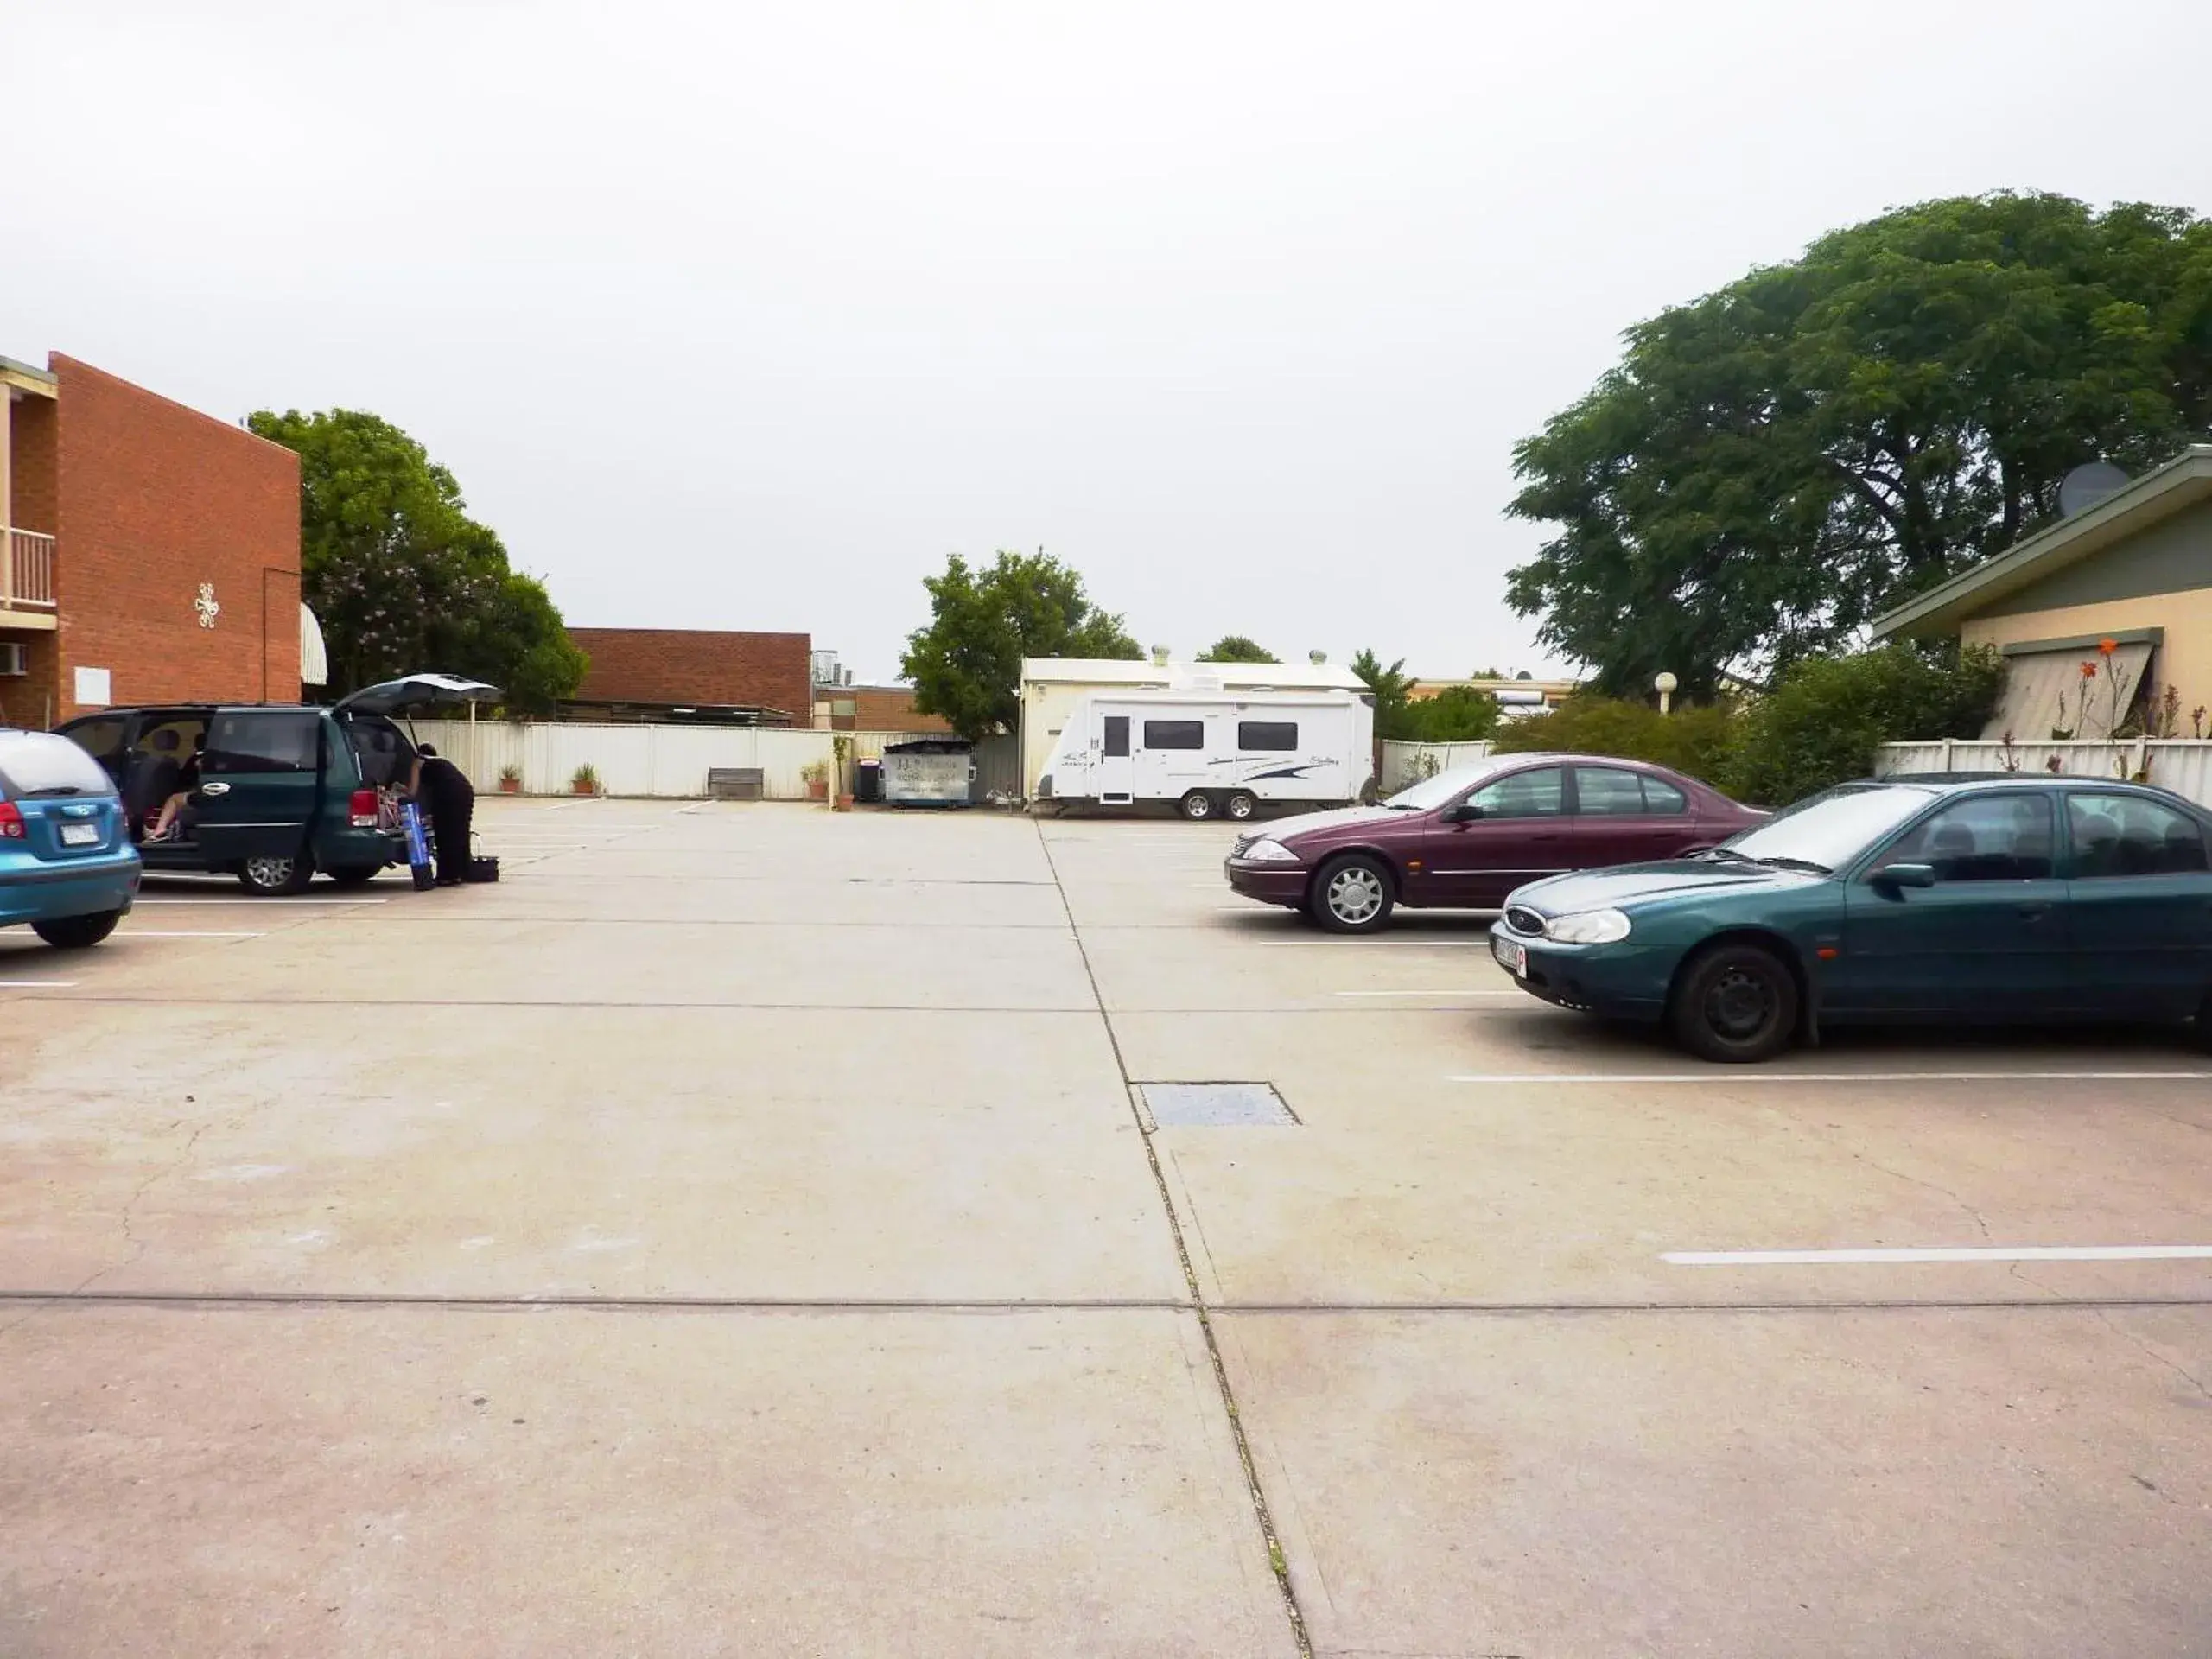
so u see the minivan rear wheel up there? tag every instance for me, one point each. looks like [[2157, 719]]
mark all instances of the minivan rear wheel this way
[[269, 877], [77, 932]]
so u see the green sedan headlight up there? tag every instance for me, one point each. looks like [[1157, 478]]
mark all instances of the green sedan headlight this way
[[1588, 927]]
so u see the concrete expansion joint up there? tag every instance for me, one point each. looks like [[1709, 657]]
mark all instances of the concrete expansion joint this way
[[1278, 1563]]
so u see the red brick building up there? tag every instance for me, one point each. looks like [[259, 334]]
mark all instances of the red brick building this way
[[151, 552], [696, 673]]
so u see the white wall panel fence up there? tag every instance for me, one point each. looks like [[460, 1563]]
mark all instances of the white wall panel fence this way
[[1405, 764], [670, 761], [2182, 765]]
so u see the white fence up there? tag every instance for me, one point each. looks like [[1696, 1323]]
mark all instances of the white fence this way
[[670, 761], [1405, 764], [2182, 765]]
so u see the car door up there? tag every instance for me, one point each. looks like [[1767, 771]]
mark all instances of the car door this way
[[1988, 940], [2140, 898], [1623, 817], [259, 783], [1508, 831]]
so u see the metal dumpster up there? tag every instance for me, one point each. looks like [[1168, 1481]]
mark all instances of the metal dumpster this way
[[930, 772]]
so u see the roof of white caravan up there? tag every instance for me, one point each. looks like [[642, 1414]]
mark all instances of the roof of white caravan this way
[[1150, 697], [1106, 671]]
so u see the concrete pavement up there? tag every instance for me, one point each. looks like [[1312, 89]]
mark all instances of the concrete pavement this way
[[734, 1233]]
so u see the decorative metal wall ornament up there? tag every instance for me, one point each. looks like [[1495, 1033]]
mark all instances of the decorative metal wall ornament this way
[[206, 606]]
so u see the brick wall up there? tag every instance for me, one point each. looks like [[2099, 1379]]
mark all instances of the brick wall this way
[[699, 665], [888, 708], [154, 499]]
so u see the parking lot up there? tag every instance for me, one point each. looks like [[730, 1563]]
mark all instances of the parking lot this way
[[744, 1230]]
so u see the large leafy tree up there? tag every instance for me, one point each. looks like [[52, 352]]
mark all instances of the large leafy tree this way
[[966, 665], [1391, 687], [400, 577], [1237, 648], [1772, 466]]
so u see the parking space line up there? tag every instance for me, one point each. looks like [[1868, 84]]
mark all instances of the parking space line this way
[[189, 933], [37, 984], [1459, 992], [1964, 1253], [289, 903], [1737, 1075]]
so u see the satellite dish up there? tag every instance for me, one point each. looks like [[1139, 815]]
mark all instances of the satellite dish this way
[[2086, 486]]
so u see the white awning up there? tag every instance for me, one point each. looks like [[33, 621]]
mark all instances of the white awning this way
[[314, 661], [2044, 693]]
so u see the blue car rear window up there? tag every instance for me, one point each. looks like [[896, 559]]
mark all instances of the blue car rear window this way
[[33, 764]]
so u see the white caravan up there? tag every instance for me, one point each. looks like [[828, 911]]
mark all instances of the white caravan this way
[[1214, 752]]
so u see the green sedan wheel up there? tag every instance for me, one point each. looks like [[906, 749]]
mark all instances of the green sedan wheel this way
[[1735, 1003]]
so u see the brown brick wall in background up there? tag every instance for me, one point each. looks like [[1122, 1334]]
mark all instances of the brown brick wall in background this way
[[154, 499], [700, 666]]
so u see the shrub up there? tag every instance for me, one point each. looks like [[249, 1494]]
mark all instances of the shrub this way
[[1820, 726], [1695, 738], [1458, 713]]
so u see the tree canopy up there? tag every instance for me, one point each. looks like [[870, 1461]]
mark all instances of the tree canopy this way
[[966, 665], [1237, 648], [1774, 465], [401, 578]]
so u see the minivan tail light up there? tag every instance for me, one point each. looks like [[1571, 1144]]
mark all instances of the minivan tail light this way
[[364, 809], [11, 821]]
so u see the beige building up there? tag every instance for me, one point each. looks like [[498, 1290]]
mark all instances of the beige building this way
[[2134, 570]]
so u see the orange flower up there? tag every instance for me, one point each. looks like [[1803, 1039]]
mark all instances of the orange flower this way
[[2088, 671], [2106, 647]]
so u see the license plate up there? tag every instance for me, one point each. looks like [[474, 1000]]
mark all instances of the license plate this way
[[1514, 958], [80, 834]]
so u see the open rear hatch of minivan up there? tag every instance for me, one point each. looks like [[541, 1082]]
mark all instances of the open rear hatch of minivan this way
[[412, 691]]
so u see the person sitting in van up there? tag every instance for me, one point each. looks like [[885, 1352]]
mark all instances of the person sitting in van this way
[[165, 825]]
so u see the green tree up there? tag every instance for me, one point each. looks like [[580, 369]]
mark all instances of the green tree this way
[[1773, 465], [1458, 713], [966, 665], [398, 575], [1389, 687], [1236, 648]]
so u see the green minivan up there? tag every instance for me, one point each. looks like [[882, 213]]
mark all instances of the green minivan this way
[[279, 791]]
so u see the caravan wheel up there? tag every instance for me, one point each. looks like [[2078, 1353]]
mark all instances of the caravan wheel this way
[[1241, 804], [1198, 806]]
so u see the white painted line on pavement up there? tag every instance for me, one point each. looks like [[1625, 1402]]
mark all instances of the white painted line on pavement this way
[[1980, 1253], [289, 903], [37, 984], [186, 933], [1452, 993], [1731, 1077]]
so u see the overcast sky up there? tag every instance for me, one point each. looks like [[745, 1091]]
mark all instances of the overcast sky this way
[[745, 315]]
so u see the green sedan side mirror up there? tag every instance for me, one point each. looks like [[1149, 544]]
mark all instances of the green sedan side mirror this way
[[1905, 876]]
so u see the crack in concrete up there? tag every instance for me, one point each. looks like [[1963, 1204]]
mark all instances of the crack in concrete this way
[[2143, 1346], [138, 1246]]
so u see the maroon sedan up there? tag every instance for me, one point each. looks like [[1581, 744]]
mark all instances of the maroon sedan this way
[[1465, 838]]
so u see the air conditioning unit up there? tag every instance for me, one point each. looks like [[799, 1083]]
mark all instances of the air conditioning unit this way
[[15, 660]]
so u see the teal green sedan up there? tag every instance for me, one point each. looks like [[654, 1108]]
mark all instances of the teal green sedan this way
[[2026, 901]]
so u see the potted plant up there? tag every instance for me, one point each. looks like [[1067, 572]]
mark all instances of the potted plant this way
[[585, 779], [510, 779], [843, 748], [817, 776]]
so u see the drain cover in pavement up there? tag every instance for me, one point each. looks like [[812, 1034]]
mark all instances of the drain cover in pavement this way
[[1214, 1105]]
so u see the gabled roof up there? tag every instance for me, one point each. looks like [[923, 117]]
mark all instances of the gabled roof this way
[[2182, 482]]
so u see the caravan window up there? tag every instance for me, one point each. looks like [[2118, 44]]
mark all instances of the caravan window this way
[[1117, 735], [1174, 734], [1271, 734]]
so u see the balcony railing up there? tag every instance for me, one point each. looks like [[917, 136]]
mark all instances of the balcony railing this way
[[26, 572]]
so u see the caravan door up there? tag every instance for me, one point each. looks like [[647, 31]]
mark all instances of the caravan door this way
[[1116, 774]]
